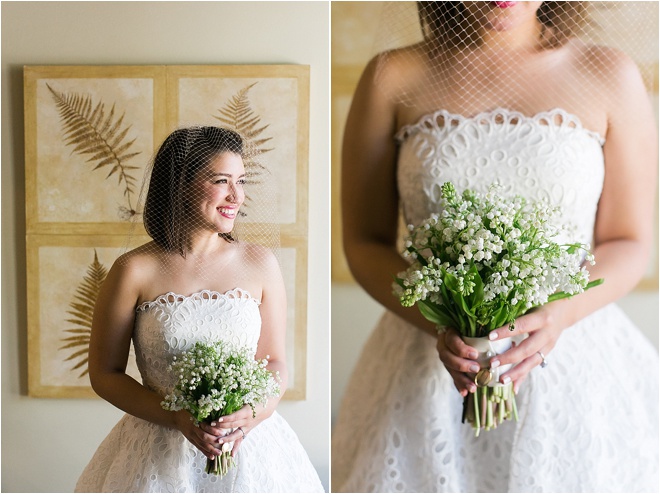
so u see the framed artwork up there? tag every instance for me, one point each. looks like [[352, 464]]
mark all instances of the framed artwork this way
[[90, 134]]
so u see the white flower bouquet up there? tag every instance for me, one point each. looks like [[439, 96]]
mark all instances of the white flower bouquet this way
[[480, 264], [217, 379]]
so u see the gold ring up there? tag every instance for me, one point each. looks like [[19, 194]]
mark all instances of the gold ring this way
[[483, 377]]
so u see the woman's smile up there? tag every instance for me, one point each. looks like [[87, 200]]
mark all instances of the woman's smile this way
[[228, 211]]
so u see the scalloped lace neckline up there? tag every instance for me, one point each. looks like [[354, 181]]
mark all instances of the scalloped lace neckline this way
[[555, 118], [171, 298]]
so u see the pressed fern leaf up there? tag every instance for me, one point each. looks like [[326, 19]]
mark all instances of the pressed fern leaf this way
[[239, 116], [91, 132], [82, 310]]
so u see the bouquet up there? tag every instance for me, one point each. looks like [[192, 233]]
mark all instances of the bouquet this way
[[480, 264], [217, 379]]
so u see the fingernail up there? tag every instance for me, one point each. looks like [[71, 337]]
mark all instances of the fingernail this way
[[213, 424], [506, 380], [494, 364], [220, 420], [474, 368], [473, 355], [473, 388], [492, 335]]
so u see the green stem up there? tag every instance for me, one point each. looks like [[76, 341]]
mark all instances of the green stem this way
[[477, 413], [561, 295]]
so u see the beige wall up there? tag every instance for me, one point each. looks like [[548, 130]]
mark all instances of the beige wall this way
[[45, 442]]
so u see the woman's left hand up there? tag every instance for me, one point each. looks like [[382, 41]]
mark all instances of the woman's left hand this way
[[241, 421], [543, 328]]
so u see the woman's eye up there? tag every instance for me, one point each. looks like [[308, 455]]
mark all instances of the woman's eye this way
[[241, 181], [221, 181]]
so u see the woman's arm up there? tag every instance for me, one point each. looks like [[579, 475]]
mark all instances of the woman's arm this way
[[370, 201], [624, 223], [112, 327], [370, 208]]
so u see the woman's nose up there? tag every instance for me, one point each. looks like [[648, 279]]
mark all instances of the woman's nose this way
[[232, 195]]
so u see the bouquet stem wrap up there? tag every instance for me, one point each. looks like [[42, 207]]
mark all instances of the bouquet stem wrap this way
[[220, 465], [493, 402]]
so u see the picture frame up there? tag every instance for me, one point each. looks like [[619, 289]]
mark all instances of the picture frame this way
[[81, 203]]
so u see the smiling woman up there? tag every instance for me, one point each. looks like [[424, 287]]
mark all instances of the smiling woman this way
[[193, 165], [195, 282], [220, 188]]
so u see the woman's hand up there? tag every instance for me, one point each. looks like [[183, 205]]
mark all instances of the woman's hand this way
[[543, 328], [241, 421], [200, 437], [459, 359]]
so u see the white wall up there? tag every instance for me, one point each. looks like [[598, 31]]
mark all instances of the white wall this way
[[45, 442]]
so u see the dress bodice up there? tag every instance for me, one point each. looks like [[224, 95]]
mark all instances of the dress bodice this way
[[142, 456], [172, 324], [549, 156]]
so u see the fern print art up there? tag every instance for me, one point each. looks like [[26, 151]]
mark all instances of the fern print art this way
[[238, 115], [92, 130], [81, 312]]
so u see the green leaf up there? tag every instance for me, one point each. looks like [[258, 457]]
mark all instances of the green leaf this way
[[434, 314]]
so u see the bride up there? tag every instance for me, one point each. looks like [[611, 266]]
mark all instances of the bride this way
[[502, 91], [193, 282]]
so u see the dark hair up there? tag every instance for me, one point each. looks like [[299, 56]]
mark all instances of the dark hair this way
[[184, 153], [448, 25]]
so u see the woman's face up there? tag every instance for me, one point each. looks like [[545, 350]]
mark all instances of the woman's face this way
[[218, 191], [502, 16]]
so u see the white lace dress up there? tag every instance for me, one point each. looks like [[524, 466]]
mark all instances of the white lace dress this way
[[588, 421], [139, 456]]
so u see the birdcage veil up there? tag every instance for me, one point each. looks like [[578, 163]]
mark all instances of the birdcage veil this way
[[427, 53], [206, 179]]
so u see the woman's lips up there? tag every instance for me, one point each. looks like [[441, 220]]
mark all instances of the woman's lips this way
[[227, 212], [504, 5]]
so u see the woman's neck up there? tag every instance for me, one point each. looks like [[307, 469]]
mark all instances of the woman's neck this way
[[205, 243]]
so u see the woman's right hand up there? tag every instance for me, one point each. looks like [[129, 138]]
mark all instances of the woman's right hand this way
[[459, 360], [206, 443]]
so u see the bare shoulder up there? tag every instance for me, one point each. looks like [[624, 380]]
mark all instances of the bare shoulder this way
[[392, 69], [141, 258], [407, 57], [610, 67], [259, 258], [136, 268]]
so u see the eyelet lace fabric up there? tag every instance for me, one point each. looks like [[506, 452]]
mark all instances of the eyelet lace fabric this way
[[588, 421], [138, 456], [549, 156]]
